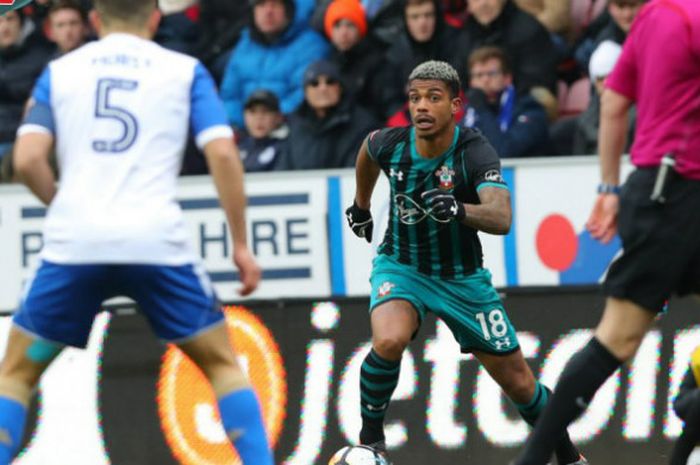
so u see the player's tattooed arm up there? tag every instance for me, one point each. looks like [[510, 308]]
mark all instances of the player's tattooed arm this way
[[493, 215], [366, 174], [31, 164]]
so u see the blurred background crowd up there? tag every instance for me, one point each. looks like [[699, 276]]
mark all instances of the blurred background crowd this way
[[304, 81]]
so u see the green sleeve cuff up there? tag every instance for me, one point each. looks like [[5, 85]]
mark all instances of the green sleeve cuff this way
[[492, 184]]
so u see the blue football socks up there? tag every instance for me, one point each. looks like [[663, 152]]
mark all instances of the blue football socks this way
[[13, 415], [242, 419]]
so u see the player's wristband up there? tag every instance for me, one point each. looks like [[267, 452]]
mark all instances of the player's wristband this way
[[608, 189]]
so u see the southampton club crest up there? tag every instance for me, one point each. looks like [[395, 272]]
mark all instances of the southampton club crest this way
[[445, 175], [385, 289]]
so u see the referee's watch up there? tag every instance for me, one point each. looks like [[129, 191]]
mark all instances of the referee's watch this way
[[608, 189]]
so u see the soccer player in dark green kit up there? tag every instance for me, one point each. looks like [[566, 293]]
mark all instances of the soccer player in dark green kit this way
[[446, 185]]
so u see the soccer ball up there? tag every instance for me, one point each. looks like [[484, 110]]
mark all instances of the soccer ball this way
[[357, 455]]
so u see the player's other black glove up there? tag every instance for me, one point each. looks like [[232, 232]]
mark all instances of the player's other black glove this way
[[360, 221], [443, 206]]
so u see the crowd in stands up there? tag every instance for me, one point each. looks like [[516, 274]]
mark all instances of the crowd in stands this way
[[303, 81]]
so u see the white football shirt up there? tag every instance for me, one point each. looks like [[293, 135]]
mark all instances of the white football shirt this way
[[121, 109]]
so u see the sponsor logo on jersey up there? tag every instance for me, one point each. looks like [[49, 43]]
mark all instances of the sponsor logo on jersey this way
[[187, 406], [385, 290], [9, 5], [445, 175], [493, 176], [408, 210]]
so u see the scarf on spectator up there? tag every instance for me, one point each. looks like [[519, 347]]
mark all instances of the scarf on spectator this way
[[507, 104]]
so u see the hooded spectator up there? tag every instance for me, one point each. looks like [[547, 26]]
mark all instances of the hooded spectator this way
[[328, 129], [426, 37], [603, 60], [527, 44], [579, 135], [23, 55], [357, 55], [272, 54], [614, 24], [384, 21]]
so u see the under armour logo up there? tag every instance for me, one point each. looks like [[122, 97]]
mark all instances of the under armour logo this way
[[501, 343], [398, 174], [379, 408]]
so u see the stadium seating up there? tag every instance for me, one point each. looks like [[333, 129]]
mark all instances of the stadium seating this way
[[583, 12], [574, 99]]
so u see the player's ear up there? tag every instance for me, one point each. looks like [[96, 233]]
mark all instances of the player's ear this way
[[153, 21], [95, 21], [456, 105]]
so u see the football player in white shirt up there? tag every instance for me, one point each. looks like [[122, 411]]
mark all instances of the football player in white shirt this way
[[118, 112]]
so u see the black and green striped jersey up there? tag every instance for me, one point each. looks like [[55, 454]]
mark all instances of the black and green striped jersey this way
[[446, 250]]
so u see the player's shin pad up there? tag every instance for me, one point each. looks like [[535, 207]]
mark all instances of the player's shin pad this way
[[13, 415]]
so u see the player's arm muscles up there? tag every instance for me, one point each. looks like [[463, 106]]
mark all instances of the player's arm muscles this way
[[493, 215], [30, 161], [227, 172], [366, 174]]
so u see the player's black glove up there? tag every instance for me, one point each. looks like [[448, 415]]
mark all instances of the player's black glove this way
[[360, 221], [443, 206]]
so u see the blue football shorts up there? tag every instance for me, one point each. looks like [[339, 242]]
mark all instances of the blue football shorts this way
[[60, 302]]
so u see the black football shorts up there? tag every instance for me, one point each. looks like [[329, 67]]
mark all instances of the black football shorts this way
[[660, 241]]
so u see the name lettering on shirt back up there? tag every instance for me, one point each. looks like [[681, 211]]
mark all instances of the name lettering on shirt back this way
[[123, 60]]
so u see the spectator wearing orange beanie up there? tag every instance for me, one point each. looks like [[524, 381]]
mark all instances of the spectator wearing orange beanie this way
[[350, 10], [355, 52]]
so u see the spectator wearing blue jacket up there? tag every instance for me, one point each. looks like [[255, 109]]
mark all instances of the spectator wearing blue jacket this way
[[272, 54], [516, 125]]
